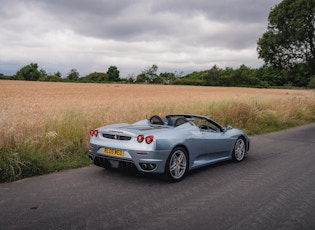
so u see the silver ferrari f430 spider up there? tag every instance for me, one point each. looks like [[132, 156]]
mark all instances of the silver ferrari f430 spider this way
[[171, 146]]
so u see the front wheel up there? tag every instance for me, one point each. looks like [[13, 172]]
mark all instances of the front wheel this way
[[176, 165], [239, 150]]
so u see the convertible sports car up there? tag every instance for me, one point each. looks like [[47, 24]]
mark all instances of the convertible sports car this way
[[171, 146]]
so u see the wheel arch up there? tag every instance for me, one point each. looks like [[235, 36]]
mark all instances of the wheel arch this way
[[246, 142]]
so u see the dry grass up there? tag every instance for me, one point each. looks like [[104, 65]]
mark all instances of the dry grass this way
[[51, 120], [33, 107]]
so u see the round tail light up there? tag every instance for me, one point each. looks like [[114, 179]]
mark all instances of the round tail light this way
[[149, 139], [140, 138], [94, 132]]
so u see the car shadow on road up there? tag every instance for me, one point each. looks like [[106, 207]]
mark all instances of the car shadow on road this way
[[133, 174]]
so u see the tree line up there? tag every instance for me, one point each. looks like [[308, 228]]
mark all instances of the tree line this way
[[287, 48], [263, 77]]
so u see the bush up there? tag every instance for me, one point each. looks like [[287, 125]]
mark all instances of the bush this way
[[311, 83]]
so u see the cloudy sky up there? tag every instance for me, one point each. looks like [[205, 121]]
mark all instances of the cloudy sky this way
[[91, 35]]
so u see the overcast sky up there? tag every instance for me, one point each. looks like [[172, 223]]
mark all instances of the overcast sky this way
[[91, 35]]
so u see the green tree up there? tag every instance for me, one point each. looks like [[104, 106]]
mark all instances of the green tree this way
[[212, 76], [58, 74], [95, 77], [4, 77], [131, 78], [271, 76], [73, 75], [311, 83], [43, 72], [290, 36], [142, 78], [158, 80], [29, 73], [113, 73], [150, 73], [168, 78], [243, 76]]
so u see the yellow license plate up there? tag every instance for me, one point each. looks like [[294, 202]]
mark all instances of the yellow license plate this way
[[114, 152]]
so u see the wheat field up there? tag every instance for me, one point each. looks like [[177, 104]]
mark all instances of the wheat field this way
[[45, 125], [31, 105]]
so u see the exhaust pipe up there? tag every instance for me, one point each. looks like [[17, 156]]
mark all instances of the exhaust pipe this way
[[147, 166]]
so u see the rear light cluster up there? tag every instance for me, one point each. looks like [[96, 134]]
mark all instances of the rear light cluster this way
[[94, 132], [148, 139]]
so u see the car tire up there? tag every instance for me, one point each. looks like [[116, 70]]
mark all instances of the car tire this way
[[176, 165], [239, 150]]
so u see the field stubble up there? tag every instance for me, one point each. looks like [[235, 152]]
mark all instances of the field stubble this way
[[44, 126]]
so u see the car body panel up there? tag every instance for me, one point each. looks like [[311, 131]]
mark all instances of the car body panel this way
[[118, 142]]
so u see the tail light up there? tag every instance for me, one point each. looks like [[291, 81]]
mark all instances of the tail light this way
[[149, 139], [140, 138], [93, 132]]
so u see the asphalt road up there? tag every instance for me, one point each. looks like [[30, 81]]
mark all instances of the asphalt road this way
[[273, 188]]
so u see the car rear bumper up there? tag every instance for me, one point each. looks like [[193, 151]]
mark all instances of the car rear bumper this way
[[144, 161]]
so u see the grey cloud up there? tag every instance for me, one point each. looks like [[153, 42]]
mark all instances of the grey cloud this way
[[223, 10], [127, 20], [183, 34]]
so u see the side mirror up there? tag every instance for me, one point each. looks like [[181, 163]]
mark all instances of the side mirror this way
[[227, 127]]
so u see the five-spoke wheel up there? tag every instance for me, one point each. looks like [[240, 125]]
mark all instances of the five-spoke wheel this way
[[239, 150], [177, 164]]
